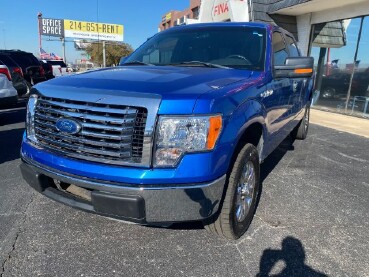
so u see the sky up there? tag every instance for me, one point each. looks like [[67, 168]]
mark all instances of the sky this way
[[18, 24], [19, 29]]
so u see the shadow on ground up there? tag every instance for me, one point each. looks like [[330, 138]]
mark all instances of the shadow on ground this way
[[275, 157], [13, 116], [10, 143], [11, 131], [287, 261]]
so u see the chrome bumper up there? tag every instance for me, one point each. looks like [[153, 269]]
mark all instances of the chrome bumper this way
[[143, 204]]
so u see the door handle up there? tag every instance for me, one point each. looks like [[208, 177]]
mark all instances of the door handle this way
[[294, 86]]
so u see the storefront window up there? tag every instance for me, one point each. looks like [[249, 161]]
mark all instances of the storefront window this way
[[342, 82], [360, 83]]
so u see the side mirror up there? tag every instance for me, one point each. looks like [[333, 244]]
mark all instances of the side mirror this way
[[295, 67]]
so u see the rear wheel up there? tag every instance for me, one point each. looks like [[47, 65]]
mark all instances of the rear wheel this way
[[302, 129], [239, 204]]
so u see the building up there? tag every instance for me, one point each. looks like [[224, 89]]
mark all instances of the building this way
[[174, 18], [335, 33]]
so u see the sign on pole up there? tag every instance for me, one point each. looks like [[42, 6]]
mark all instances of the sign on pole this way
[[52, 27], [93, 30], [81, 29]]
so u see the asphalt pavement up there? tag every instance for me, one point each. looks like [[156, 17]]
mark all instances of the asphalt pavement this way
[[312, 220]]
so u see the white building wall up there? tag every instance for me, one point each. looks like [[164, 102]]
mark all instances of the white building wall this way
[[344, 12], [223, 10], [303, 31], [305, 21]]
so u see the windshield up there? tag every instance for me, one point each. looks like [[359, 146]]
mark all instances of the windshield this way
[[24, 59], [233, 46], [8, 61]]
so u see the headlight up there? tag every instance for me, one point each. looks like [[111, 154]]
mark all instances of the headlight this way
[[31, 106], [178, 135]]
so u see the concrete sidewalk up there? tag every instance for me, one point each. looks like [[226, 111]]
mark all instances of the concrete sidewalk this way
[[340, 122]]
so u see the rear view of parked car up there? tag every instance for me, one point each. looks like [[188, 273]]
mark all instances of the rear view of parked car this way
[[16, 74], [8, 94], [32, 70]]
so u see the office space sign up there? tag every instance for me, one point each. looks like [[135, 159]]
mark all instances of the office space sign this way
[[51, 27], [93, 30]]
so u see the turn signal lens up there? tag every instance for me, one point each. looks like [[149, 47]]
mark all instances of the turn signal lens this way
[[303, 70], [214, 131]]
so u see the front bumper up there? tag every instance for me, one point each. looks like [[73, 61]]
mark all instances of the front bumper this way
[[144, 204]]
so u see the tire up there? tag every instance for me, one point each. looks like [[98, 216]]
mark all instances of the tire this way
[[233, 219], [302, 128]]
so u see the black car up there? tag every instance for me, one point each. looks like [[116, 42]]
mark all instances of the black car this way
[[336, 85], [32, 70], [16, 73]]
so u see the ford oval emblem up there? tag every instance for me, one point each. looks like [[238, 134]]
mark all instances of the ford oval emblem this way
[[68, 126]]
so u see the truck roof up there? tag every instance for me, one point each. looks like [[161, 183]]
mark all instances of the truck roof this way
[[224, 24], [268, 26]]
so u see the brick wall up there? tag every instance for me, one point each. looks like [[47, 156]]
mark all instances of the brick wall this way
[[190, 12]]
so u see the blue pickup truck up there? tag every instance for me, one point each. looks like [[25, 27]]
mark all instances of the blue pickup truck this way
[[176, 132]]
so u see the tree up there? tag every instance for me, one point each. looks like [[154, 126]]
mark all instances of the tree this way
[[114, 51]]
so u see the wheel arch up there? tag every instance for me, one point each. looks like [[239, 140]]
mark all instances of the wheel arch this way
[[253, 129], [253, 133]]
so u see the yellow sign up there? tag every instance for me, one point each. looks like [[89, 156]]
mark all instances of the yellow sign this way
[[168, 16], [93, 30]]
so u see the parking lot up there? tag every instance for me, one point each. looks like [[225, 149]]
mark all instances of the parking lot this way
[[312, 220]]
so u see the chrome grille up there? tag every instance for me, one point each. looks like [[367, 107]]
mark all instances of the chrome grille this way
[[111, 134]]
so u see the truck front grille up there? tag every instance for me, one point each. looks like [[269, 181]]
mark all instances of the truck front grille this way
[[112, 134]]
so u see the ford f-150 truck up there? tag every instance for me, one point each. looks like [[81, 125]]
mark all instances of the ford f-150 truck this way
[[177, 132]]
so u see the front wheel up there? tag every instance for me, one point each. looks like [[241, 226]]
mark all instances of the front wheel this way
[[239, 204]]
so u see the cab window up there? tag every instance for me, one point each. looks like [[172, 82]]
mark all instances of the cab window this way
[[292, 48], [279, 49]]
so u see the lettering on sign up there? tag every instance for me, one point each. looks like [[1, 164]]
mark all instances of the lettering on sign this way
[[81, 29], [93, 30], [221, 9], [51, 27]]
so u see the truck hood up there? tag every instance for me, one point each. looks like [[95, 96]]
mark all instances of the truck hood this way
[[174, 85], [168, 81]]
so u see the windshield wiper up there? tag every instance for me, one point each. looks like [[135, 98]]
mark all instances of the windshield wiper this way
[[213, 65], [137, 63]]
